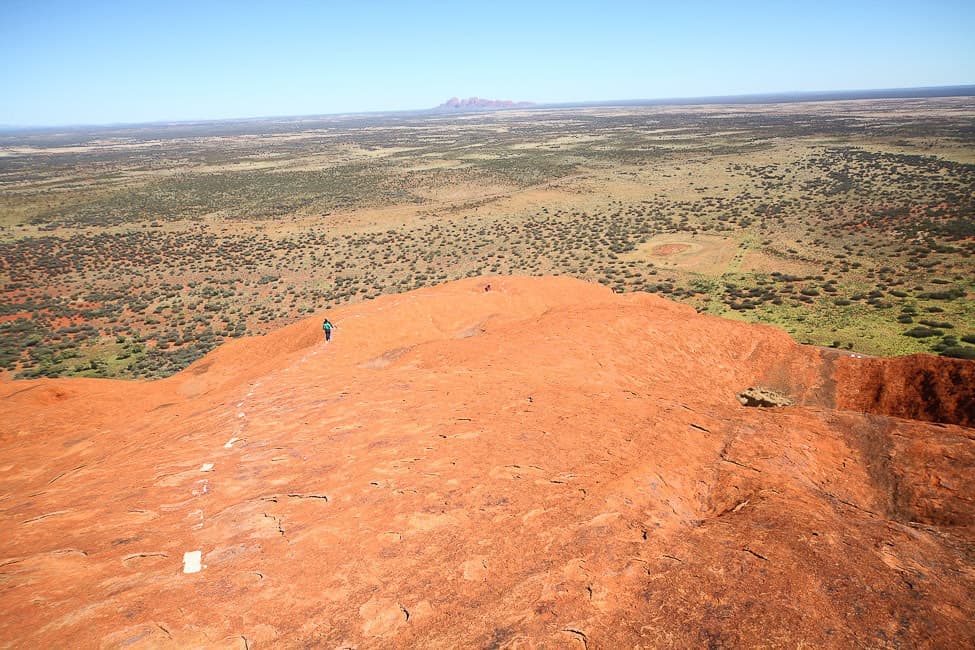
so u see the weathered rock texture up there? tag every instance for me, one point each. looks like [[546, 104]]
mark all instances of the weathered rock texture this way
[[546, 464], [757, 396]]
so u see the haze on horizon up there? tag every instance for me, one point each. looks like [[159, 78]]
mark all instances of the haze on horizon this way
[[100, 62]]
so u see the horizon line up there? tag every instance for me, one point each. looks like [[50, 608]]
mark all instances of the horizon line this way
[[772, 97]]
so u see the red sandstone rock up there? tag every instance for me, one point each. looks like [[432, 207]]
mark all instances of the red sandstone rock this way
[[546, 464]]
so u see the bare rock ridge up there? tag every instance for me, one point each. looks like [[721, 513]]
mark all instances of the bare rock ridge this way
[[545, 464], [479, 103]]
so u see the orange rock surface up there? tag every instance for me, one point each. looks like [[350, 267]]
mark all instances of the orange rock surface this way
[[546, 464]]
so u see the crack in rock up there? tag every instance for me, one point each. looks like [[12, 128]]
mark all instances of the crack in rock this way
[[295, 495], [579, 636], [758, 555]]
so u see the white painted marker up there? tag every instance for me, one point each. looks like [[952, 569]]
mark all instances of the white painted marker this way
[[191, 561]]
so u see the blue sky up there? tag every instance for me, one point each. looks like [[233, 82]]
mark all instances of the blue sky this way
[[134, 61]]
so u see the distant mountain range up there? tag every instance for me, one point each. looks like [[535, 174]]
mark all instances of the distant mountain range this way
[[454, 104], [478, 103]]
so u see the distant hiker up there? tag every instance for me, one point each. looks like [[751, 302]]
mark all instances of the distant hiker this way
[[327, 326], [487, 287]]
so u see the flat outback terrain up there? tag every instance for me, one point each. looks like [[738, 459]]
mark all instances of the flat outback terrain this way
[[130, 252]]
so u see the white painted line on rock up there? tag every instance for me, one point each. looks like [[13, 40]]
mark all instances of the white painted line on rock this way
[[191, 561], [230, 443], [207, 467]]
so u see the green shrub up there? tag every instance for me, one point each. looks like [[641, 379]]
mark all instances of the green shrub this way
[[922, 332], [942, 295], [959, 352], [937, 324]]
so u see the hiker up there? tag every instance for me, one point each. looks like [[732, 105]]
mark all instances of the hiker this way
[[327, 326]]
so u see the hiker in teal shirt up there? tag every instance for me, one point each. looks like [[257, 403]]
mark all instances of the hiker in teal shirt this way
[[327, 326]]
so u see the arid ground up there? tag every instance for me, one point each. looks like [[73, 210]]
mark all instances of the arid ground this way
[[132, 251]]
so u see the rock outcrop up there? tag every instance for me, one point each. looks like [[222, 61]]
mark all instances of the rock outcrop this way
[[757, 396], [545, 464]]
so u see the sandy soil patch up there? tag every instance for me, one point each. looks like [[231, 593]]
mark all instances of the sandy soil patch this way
[[708, 255], [459, 192], [757, 261], [664, 250]]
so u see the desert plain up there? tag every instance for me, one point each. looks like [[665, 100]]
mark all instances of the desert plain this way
[[132, 251]]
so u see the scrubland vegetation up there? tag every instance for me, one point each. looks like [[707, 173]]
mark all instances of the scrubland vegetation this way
[[132, 252]]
